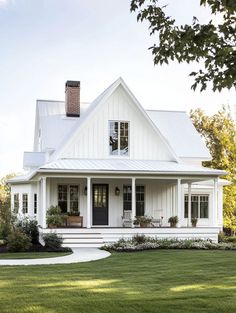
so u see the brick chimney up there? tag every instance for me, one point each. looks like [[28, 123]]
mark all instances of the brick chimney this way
[[72, 101]]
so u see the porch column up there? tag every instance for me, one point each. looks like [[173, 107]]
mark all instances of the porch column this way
[[189, 203], [178, 200], [215, 203], [88, 202], [133, 201], [44, 200], [38, 200]]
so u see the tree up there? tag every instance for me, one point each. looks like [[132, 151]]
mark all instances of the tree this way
[[219, 133], [5, 199], [214, 45]]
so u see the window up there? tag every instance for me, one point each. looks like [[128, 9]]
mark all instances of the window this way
[[25, 203], [16, 203], [68, 198], [140, 199], [119, 138], [35, 203], [199, 206]]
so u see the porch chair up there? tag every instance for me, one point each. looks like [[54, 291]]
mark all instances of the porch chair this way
[[126, 219], [157, 222]]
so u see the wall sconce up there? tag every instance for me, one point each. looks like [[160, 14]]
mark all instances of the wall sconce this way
[[85, 190], [117, 191]]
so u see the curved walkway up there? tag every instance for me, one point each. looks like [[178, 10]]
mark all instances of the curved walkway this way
[[78, 255]]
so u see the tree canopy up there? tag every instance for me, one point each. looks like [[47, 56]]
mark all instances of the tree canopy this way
[[214, 45], [219, 133]]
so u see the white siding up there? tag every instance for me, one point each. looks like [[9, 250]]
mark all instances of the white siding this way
[[93, 138]]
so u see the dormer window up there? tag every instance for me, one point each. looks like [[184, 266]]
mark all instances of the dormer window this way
[[119, 138]]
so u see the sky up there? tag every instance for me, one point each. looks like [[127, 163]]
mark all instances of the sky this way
[[46, 42]]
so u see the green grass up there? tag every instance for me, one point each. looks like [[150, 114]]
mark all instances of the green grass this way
[[142, 282], [32, 255]]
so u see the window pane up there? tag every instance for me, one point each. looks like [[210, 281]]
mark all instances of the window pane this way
[[74, 198], [62, 198], [113, 138], [16, 203], [185, 206], [204, 204], [25, 203], [124, 139], [35, 203]]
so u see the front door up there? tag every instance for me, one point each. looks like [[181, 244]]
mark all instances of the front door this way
[[100, 204]]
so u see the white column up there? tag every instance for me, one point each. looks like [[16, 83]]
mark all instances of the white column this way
[[215, 203], [189, 203], [133, 201], [179, 202], [88, 202], [44, 201], [38, 201]]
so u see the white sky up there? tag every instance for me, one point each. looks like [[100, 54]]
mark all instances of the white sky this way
[[46, 42]]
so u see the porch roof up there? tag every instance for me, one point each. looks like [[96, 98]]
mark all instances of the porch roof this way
[[126, 166]]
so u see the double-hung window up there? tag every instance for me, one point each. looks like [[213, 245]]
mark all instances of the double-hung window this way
[[35, 203], [68, 198], [199, 206], [140, 199], [16, 203], [119, 138], [25, 203]]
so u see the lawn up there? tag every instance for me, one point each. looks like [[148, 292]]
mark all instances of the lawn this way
[[32, 255], [141, 282]]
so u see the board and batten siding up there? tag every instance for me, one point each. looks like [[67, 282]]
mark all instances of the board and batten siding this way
[[92, 138]]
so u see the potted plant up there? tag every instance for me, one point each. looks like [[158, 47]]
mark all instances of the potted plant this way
[[54, 217], [173, 220], [136, 223], [194, 221], [143, 221]]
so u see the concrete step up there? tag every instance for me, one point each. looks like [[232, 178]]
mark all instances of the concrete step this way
[[79, 235], [83, 245], [82, 240]]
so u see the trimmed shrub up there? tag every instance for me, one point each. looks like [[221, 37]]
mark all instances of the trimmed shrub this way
[[17, 241], [5, 230], [52, 241], [147, 243], [54, 217], [30, 228]]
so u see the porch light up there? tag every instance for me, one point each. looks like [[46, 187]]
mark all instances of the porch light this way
[[117, 191], [85, 190]]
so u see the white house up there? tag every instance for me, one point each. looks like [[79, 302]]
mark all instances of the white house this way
[[90, 157]]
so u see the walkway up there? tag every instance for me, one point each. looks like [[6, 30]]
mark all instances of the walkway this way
[[78, 255]]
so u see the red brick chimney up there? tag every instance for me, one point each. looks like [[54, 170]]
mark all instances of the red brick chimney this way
[[72, 102]]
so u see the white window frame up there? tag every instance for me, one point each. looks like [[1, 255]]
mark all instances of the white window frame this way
[[199, 210], [68, 195], [25, 202], [118, 155]]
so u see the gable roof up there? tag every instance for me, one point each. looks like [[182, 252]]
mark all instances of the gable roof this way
[[99, 101], [177, 127]]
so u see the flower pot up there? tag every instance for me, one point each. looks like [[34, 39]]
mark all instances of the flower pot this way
[[173, 225]]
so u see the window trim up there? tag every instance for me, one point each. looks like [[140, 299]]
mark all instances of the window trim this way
[[139, 185], [199, 204], [35, 203], [68, 195], [18, 202], [25, 202], [108, 140]]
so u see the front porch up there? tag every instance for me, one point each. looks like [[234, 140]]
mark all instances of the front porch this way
[[103, 199]]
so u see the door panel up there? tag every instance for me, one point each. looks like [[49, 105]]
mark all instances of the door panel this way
[[100, 204]]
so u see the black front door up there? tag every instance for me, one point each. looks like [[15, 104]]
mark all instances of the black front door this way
[[100, 204]]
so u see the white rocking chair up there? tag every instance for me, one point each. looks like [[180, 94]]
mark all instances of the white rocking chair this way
[[127, 219]]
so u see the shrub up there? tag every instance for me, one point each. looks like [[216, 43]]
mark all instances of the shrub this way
[[147, 243], [30, 228], [52, 241], [17, 241], [137, 239], [5, 229], [54, 216]]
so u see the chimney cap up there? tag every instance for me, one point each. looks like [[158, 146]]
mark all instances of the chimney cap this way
[[73, 83]]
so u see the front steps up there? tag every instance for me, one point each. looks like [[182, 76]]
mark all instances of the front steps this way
[[97, 237]]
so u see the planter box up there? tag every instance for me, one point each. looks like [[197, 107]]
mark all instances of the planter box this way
[[74, 220]]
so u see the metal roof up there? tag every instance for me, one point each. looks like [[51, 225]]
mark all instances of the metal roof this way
[[126, 166], [178, 129]]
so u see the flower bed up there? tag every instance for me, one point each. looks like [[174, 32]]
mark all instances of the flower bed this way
[[141, 242]]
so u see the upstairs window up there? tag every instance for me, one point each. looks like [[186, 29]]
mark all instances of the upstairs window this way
[[119, 138]]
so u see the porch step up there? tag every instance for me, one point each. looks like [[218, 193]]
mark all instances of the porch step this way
[[78, 239]]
